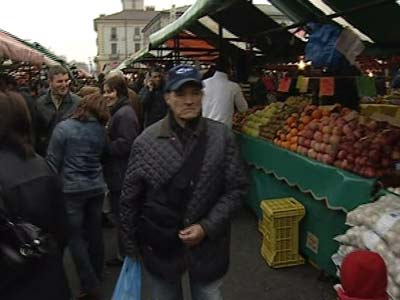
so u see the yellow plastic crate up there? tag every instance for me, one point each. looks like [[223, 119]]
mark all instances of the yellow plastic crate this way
[[261, 227], [280, 226]]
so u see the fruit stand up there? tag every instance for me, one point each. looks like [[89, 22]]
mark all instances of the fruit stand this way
[[327, 193], [329, 159]]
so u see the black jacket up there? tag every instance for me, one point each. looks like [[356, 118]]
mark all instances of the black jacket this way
[[123, 128], [46, 117], [34, 193], [154, 106], [157, 155]]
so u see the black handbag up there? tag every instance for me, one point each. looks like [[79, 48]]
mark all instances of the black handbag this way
[[21, 242]]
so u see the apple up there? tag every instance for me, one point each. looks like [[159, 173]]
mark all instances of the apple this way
[[318, 136], [326, 138], [334, 139]]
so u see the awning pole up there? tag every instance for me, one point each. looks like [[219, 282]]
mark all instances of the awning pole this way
[[221, 38]]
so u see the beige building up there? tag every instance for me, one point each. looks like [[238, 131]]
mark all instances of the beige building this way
[[162, 19], [120, 35]]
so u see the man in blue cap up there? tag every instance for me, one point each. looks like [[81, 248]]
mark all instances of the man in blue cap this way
[[183, 186]]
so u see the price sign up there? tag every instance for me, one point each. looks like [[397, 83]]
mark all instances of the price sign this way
[[326, 86], [284, 85]]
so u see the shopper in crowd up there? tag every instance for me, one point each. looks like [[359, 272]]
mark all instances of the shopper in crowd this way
[[138, 83], [123, 128], [137, 106], [87, 90], [53, 107], [11, 84], [133, 98], [395, 84], [106, 221], [152, 98], [363, 276], [75, 152], [258, 92], [32, 192], [222, 96], [183, 186]]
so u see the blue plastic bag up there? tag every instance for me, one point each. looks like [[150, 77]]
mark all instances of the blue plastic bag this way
[[129, 282], [321, 46]]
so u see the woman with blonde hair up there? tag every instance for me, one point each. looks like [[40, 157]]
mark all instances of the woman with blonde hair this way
[[75, 152]]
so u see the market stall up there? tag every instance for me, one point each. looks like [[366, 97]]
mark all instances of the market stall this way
[[331, 159]]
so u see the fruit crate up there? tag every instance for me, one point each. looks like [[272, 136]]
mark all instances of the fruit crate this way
[[280, 226]]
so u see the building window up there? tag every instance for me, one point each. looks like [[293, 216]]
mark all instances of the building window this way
[[113, 33], [114, 49], [137, 30], [137, 47]]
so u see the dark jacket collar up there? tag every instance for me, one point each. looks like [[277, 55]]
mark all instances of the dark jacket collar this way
[[67, 98], [166, 130], [121, 102]]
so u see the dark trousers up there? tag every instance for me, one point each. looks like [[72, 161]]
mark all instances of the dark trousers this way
[[86, 243], [115, 209]]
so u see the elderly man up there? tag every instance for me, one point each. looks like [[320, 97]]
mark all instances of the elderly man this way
[[183, 186], [53, 107]]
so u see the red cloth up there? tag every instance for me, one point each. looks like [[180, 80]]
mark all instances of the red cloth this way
[[268, 84], [342, 296], [364, 277]]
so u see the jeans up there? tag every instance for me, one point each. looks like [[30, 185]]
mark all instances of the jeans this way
[[86, 243], [168, 290], [115, 198]]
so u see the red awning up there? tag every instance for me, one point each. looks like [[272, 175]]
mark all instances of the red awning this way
[[17, 51], [202, 51]]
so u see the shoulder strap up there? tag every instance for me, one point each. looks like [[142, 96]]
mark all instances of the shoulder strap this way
[[188, 175], [191, 169]]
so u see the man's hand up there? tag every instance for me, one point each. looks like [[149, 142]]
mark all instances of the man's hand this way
[[192, 235]]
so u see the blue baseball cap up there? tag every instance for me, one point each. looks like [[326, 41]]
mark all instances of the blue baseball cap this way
[[179, 75]]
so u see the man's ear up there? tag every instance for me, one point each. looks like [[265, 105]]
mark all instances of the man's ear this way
[[167, 97]]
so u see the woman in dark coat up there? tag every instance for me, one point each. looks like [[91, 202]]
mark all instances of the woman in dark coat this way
[[32, 192], [123, 128]]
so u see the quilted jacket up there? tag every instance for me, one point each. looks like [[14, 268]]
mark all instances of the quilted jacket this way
[[156, 157]]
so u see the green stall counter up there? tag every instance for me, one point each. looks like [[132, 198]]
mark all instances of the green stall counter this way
[[326, 192]]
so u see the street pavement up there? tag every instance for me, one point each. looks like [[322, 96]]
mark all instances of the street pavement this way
[[249, 277]]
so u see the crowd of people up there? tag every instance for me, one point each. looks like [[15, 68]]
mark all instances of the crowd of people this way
[[173, 178], [165, 155]]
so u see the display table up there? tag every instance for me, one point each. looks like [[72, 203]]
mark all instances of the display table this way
[[326, 192]]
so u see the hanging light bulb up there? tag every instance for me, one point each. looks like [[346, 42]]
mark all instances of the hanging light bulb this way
[[301, 65]]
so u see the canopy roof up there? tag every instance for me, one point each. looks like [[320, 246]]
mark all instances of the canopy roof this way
[[373, 20], [31, 51], [240, 19], [13, 49]]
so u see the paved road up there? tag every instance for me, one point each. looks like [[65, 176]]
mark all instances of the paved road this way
[[249, 277]]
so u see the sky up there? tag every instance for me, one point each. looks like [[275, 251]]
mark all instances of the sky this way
[[65, 27]]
